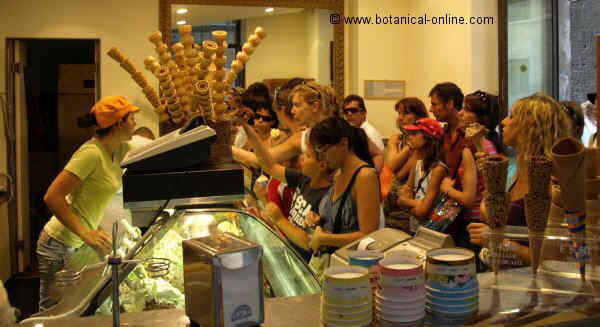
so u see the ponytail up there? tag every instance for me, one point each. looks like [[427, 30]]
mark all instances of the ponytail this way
[[333, 129], [87, 120], [360, 145]]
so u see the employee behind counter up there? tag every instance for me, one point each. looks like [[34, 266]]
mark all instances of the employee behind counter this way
[[90, 179]]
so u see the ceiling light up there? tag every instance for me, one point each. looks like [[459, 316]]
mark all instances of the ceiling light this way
[[181, 22], [269, 10], [181, 11]]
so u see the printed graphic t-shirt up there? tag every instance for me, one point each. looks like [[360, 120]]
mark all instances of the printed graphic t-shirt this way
[[304, 200]]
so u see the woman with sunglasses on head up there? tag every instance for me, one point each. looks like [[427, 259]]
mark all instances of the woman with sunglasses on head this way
[[575, 113], [89, 180], [479, 119], [350, 209]]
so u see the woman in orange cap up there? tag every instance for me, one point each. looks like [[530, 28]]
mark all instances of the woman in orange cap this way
[[89, 180]]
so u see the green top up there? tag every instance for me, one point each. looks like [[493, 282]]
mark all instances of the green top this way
[[101, 178]]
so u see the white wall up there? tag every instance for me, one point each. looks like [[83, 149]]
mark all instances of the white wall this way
[[422, 55], [297, 45], [283, 53], [124, 24]]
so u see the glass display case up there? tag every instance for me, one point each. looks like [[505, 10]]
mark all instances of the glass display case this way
[[88, 291], [285, 274]]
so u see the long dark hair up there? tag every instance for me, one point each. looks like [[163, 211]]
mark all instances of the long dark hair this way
[[331, 131], [433, 152], [487, 109]]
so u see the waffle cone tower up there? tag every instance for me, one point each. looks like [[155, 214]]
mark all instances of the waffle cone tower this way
[[496, 199], [568, 155], [537, 206], [192, 76]]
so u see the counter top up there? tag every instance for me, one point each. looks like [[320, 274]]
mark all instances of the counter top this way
[[516, 301]]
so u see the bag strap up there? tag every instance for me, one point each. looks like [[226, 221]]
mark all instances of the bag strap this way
[[337, 225]]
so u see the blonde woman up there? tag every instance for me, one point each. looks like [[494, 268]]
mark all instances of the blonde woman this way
[[533, 126], [311, 104]]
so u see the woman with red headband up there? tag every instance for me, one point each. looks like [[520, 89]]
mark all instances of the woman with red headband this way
[[79, 194]]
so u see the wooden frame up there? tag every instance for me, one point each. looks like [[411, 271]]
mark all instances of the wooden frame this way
[[368, 97], [164, 22]]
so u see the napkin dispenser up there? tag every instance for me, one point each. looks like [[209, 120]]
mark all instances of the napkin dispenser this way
[[223, 280]]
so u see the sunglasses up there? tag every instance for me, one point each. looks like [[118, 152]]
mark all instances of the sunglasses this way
[[264, 118], [353, 111], [482, 96]]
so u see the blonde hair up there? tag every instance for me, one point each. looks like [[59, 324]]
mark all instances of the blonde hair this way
[[542, 121], [313, 92]]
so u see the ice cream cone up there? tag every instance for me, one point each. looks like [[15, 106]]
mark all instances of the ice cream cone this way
[[220, 62], [237, 66], [568, 156], [156, 38], [495, 171], [260, 32], [209, 48], [221, 49], [242, 57], [161, 48], [116, 54], [254, 40], [537, 208], [177, 47], [497, 208], [139, 78], [248, 48], [539, 171], [231, 76], [219, 36], [187, 40]]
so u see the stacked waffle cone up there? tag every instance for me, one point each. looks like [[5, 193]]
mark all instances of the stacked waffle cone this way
[[188, 87], [568, 155], [137, 76], [537, 205], [496, 200]]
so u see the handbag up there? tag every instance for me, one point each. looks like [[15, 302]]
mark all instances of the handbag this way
[[445, 210]]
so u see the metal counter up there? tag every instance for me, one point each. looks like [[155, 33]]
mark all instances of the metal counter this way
[[513, 302]]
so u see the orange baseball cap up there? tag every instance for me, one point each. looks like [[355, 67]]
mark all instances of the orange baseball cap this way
[[109, 110]]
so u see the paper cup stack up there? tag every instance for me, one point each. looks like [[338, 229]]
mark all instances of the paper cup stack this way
[[452, 286], [347, 299], [400, 299], [369, 260]]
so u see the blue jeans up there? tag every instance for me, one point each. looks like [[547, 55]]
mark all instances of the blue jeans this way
[[51, 256]]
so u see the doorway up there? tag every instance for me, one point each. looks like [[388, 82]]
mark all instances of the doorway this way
[[50, 83]]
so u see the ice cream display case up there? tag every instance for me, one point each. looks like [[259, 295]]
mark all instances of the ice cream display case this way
[[285, 273]]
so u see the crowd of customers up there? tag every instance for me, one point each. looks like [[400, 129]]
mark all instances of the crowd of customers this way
[[331, 178]]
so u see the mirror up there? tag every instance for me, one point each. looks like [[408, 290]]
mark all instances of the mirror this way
[[300, 42]]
